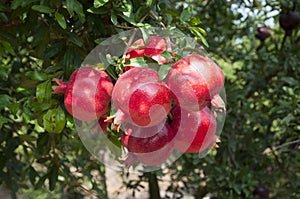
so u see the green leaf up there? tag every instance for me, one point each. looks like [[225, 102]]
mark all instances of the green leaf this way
[[53, 177], [74, 38], [163, 71], [54, 120], [75, 6], [100, 3], [61, 20], [3, 120], [136, 62], [36, 75], [114, 19], [167, 55], [41, 181], [4, 17], [7, 47], [3, 8], [44, 91], [54, 49], [43, 9], [291, 81], [185, 15], [195, 21], [16, 3], [149, 2], [198, 33], [5, 101]]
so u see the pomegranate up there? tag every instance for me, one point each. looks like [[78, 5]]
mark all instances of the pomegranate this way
[[137, 49], [151, 146], [262, 33], [87, 94], [195, 82], [195, 131], [140, 98], [153, 49], [289, 20]]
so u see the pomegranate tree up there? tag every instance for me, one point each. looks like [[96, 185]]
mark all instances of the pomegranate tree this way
[[195, 82], [140, 98], [87, 94], [195, 131]]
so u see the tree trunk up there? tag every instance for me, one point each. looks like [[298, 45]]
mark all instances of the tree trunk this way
[[153, 186]]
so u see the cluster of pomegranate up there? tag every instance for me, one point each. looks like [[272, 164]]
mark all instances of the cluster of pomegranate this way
[[153, 116]]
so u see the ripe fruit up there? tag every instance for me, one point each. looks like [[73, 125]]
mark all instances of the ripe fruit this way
[[137, 49], [262, 33], [195, 131], [151, 146], [289, 20], [153, 49], [195, 82], [87, 94], [140, 99], [261, 191]]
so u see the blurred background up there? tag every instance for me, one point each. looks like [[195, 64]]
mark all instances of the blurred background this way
[[255, 42]]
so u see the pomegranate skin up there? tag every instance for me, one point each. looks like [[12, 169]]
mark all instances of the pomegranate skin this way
[[289, 20], [151, 146], [194, 81], [147, 108], [137, 49], [87, 94], [140, 99], [155, 47], [195, 131]]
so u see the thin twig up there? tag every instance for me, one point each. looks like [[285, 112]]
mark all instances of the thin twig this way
[[124, 27], [286, 144], [156, 18]]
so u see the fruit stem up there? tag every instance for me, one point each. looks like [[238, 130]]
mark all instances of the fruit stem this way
[[61, 88], [153, 186], [119, 117]]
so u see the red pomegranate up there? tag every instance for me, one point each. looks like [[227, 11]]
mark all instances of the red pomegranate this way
[[195, 131], [151, 146], [87, 94], [153, 49], [140, 98], [195, 82]]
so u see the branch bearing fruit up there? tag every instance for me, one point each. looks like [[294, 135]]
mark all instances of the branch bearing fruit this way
[[87, 94], [140, 98], [195, 81], [195, 131]]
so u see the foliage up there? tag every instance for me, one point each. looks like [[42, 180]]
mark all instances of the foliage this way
[[41, 152]]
